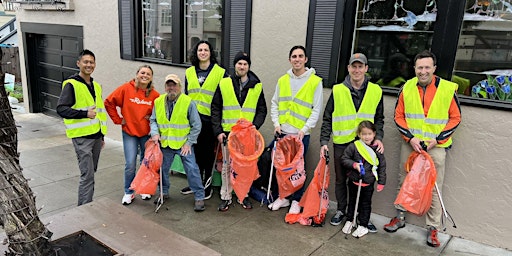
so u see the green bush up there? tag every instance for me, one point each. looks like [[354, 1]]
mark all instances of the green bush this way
[[17, 93]]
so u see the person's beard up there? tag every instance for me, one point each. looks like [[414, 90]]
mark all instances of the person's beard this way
[[173, 95]]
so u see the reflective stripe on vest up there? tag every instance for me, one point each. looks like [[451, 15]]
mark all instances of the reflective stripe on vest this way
[[344, 117], [76, 128], [430, 127], [295, 111], [231, 110], [369, 155], [173, 132], [203, 95]]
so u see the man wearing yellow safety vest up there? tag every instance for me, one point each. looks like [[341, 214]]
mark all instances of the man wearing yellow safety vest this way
[[427, 113], [240, 95], [201, 81], [354, 100], [295, 109], [176, 124], [81, 106]]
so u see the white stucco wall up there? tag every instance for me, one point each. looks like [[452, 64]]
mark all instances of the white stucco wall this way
[[477, 190]]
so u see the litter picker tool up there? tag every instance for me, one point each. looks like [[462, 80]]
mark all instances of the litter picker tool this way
[[276, 137], [323, 190], [361, 175], [214, 168], [160, 201], [446, 214]]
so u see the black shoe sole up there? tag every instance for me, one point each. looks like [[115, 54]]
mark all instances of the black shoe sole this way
[[393, 231]]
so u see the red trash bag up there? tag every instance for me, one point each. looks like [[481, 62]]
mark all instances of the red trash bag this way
[[147, 178], [415, 195], [289, 164], [245, 145]]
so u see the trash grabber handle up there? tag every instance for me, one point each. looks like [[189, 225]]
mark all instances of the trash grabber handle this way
[[445, 212], [323, 183], [276, 137]]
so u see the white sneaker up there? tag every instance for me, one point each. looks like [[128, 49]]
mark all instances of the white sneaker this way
[[127, 199], [295, 208], [360, 231], [347, 228], [145, 196], [280, 203]]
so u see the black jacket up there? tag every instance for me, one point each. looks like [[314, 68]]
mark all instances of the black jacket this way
[[216, 107], [67, 100], [357, 98], [351, 156]]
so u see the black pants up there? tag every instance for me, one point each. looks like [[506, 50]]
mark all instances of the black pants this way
[[365, 203], [340, 186], [205, 150]]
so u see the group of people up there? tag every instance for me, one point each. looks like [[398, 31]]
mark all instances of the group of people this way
[[193, 119]]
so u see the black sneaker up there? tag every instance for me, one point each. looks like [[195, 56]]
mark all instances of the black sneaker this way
[[224, 205], [246, 203], [338, 218], [157, 199], [208, 192], [186, 191], [371, 227]]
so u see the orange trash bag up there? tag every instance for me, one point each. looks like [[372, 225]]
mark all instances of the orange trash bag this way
[[315, 201], [147, 178], [289, 164], [415, 195], [245, 145]]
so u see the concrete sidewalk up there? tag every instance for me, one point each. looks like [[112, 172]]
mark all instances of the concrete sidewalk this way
[[48, 158]]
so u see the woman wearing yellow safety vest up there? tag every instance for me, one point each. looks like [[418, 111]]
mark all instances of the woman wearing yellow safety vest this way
[[81, 106], [201, 81], [240, 95]]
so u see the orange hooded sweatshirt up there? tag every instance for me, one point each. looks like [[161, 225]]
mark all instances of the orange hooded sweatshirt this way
[[135, 108]]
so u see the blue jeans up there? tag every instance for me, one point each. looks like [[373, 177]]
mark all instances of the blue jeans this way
[[298, 194], [191, 170], [131, 146]]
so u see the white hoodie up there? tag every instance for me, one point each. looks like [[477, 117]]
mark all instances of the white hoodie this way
[[296, 82]]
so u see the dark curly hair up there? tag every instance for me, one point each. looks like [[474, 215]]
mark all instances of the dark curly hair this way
[[193, 54]]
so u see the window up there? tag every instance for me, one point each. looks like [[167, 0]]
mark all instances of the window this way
[[483, 63], [193, 22], [164, 31], [166, 18], [390, 34]]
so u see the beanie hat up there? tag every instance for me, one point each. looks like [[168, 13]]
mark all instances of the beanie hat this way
[[241, 56]]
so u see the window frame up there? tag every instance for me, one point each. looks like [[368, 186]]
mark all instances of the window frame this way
[[237, 17]]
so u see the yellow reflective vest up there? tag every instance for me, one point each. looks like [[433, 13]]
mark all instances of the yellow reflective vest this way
[[295, 111], [203, 95], [173, 132], [369, 155], [428, 128], [76, 128], [345, 119], [231, 110]]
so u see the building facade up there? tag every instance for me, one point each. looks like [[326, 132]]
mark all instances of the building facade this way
[[471, 39]]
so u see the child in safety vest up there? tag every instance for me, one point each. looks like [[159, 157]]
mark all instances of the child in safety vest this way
[[362, 155]]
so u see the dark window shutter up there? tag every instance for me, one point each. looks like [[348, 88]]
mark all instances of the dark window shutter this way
[[323, 37], [126, 28], [237, 31]]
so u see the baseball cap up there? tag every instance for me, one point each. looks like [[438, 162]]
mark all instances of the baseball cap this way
[[359, 57], [174, 78]]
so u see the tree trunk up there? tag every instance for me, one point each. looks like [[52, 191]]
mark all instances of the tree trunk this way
[[26, 234]]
